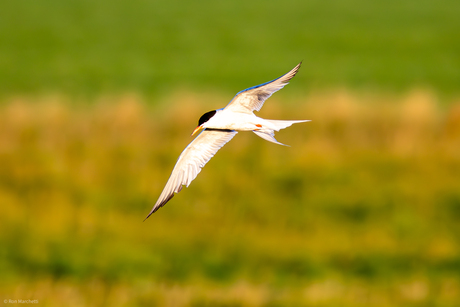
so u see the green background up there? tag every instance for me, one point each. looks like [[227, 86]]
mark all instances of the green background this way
[[152, 47]]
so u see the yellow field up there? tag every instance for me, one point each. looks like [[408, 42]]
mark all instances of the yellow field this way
[[362, 210]]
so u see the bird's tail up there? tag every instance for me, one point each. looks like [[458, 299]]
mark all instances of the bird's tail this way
[[269, 134], [281, 124]]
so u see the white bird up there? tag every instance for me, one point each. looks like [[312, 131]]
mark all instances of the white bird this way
[[219, 127]]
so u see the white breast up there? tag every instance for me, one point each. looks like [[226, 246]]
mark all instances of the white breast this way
[[225, 119]]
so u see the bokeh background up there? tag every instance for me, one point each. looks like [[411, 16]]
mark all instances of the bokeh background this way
[[98, 99]]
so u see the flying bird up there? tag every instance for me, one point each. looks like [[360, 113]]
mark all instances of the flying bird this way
[[219, 126]]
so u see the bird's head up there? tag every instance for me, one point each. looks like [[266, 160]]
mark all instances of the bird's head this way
[[203, 119]]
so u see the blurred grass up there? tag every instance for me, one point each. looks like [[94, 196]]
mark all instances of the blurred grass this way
[[86, 48], [362, 210]]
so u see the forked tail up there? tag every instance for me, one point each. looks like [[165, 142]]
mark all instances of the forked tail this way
[[281, 124], [269, 134]]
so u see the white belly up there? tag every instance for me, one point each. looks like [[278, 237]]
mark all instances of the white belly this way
[[235, 121]]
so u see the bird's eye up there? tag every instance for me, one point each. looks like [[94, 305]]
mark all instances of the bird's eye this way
[[205, 117]]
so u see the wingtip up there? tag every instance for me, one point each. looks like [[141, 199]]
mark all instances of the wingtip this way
[[159, 205], [154, 209], [298, 66], [151, 212], [294, 71]]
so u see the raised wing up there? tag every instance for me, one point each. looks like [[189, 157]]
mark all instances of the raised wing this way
[[191, 161], [253, 98]]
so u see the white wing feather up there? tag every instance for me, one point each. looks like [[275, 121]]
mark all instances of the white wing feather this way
[[253, 98], [191, 161]]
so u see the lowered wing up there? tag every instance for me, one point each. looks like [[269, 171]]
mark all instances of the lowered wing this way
[[191, 161]]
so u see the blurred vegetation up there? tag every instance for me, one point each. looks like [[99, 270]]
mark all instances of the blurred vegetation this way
[[84, 47], [362, 210]]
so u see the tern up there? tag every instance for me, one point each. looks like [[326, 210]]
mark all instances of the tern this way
[[219, 126]]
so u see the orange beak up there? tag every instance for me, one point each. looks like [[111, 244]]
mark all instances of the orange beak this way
[[197, 129]]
